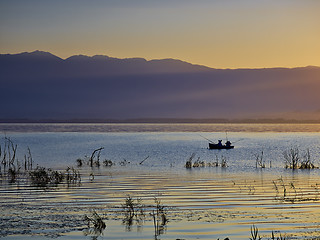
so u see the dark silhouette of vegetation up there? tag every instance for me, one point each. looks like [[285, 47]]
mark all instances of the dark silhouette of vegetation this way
[[10, 166], [133, 210], [95, 224], [159, 216], [47, 177], [259, 160], [255, 233], [94, 160], [43, 177], [200, 164], [293, 159]]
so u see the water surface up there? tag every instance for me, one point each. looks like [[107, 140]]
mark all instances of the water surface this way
[[202, 203]]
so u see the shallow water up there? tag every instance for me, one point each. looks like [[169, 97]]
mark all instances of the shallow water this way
[[202, 203]]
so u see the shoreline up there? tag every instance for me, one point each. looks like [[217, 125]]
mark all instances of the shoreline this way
[[168, 121]]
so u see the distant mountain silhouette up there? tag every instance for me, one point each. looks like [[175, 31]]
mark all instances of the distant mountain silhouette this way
[[39, 85]]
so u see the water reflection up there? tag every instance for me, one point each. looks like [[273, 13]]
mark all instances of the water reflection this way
[[202, 197]]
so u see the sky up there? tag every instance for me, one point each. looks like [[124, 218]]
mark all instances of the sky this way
[[214, 33]]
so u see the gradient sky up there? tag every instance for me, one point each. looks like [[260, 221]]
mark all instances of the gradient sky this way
[[215, 33]]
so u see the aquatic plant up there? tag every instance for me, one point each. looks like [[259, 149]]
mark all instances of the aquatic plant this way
[[254, 233], [198, 163], [95, 157], [108, 163], [93, 160], [278, 238], [215, 163], [12, 175], [124, 162], [259, 160], [129, 208], [95, 223], [9, 164], [224, 162], [159, 216], [144, 160], [79, 162], [28, 161], [306, 162], [42, 176], [189, 161], [133, 210], [72, 176], [293, 160], [290, 192]]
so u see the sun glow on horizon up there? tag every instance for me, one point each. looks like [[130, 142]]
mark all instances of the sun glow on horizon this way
[[217, 34]]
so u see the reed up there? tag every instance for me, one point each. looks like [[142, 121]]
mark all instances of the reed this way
[[273, 237], [72, 176], [259, 160], [254, 233], [188, 164], [201, 164], [95, 157], [93, 160], [133, 211], [108, 163], [306, 163], [43, 177], [95, 222], [8, 155], [159, 216], [224, 163]]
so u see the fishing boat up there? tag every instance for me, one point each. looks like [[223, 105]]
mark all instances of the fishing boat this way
[[219, 145]]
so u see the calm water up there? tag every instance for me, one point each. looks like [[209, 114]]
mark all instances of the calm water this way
[[202, 203]]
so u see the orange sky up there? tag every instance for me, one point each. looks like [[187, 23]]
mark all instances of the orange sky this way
[[215, 33]]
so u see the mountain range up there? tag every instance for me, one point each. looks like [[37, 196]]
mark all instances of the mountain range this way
[[39, 85]]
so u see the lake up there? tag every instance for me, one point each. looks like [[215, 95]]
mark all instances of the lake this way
[[207, 202]]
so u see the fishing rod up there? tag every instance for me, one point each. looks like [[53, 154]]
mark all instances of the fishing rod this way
[[206, 138], [239, 140]]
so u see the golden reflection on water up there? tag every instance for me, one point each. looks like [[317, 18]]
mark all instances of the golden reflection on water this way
[[202, 204]]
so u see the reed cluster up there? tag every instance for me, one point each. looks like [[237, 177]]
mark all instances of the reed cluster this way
[[44, 177], [200, 164], [10, 166], [135, 211], [95, 224], [94, 160]]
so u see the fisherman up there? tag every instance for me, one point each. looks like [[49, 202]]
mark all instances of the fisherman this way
[[228, 143], [220, 143]]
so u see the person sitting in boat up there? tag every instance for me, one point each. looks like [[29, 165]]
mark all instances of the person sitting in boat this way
[[220, 143], [228, 143]]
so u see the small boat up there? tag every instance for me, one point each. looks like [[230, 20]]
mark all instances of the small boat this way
[[219, 145]]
